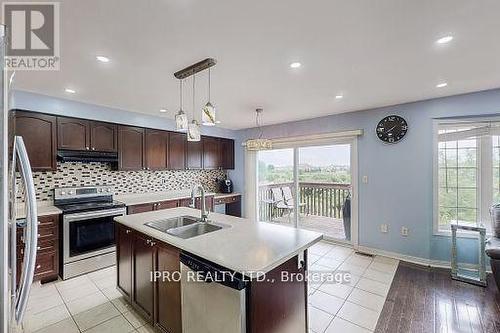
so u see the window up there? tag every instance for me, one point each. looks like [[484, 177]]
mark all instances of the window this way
[[468, 171]]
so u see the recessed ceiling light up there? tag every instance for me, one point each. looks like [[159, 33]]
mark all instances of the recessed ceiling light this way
[[445, 39], [295, 65], [70, 91], [163, 110], [339, 96], [102, 58], [441, 85]]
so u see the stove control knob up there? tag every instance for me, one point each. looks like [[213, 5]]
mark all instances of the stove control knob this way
[[71, 192], [63, 193], [108, 189], [99, 190]]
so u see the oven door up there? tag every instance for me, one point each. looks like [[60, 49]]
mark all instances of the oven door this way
[[89, 234]]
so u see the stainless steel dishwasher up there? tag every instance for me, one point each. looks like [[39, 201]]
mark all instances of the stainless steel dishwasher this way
[[213, 301]]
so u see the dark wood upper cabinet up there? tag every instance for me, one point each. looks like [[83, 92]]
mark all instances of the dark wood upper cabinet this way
[[156, 149], [39, 135], [194, 154], [73, 134], [124, 259], [177, 151], [103, 137], [226, 154], [130, 148], [211, 153], [168, 293], [144, 264]]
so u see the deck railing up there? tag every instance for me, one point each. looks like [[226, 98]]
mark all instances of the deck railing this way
[[319, 199]]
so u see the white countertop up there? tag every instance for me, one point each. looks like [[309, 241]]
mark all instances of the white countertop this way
[[248, 247], [226, 195], [43, 209], [143, 198]]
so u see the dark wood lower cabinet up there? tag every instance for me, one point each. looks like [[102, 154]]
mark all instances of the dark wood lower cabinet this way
[[124, 243], [143, 266], [279, 307], [168, 316]]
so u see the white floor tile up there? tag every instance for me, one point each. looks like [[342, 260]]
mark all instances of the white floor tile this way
[[340, 253], [106, 282], [102, 273], [325, 302], [34, 322], [64, 326], [383, 267], [386, 260], [121, 304], [340, 325], [95, 316], [336, 289], [366, 299], [111, 293], [329, 262], [318, 319], [359, 260], [86, 303], [134, 319], [321, 248], [115, 325], [146, 329], [73, 283], [359, 315], [353, 269], [41, 303], [312, 258], [378, 276], [374, 287]]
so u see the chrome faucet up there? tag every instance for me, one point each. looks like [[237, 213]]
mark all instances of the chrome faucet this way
[[204, 212]]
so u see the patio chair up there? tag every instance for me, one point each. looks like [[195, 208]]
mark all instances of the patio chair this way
[[288, 196], [279, 202]]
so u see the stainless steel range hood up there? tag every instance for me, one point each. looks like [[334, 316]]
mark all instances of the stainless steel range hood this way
[[86, 156]]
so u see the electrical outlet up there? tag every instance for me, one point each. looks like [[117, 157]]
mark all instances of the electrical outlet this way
[[384, 228], [365, 179], [404, 231]]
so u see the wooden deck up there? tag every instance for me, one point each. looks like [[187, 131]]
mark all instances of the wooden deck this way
[[330, 227]]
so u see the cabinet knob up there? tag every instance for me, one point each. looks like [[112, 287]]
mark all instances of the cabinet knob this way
[[152, 243], [87, 148], [38, 266], [93, 148], [38, 248], [159, 204], [148, 241], [127, 231]]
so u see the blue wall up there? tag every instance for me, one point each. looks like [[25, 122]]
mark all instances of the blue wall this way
[[42, 103], [400, 187]]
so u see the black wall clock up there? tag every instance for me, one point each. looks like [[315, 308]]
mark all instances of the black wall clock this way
[[392, 129]]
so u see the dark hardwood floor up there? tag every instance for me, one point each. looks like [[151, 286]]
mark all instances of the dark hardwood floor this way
[[426, 300]]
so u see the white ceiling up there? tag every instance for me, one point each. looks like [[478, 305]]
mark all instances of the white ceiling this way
[[375, 53]]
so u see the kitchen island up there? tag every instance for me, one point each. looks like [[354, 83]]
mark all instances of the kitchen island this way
[[259, 253]]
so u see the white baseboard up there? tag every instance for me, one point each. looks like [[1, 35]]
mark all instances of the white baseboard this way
[[415, 260]]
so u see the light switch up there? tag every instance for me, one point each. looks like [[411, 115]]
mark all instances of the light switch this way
[[384, 228], [365, 179], [404, 231]]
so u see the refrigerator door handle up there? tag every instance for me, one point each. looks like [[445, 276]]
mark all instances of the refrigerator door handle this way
[[31, 230]]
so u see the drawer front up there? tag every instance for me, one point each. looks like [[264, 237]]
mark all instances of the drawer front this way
[[136, 209], [49, 231], [43, 246], [226, 200], [46, 264], [167, 204], [48, 221]]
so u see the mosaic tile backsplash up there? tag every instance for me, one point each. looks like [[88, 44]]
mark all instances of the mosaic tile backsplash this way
[[87, 174]]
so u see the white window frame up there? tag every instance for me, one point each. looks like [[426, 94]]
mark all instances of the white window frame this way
[[483, 159]]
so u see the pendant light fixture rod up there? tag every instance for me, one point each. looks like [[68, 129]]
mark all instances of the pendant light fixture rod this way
[[180, 93], [194, 88], [209, 83], [195, 68]]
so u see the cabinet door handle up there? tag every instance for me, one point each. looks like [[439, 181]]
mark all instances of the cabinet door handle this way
[[87, 148], [152, 243], [38, 266], [93, 148], [148, 241], [127, 231], [38, 248], [159, 204]]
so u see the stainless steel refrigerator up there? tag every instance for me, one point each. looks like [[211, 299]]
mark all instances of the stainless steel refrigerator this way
[[15, 289]]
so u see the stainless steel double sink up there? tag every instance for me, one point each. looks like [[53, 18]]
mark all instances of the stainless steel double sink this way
[[185, 226]]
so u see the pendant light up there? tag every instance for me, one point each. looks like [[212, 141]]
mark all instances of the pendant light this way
[[181, 119], [208, 111], [193, 133], [259, 143]]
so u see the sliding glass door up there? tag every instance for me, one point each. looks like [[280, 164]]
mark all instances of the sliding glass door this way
[[308, 187]]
